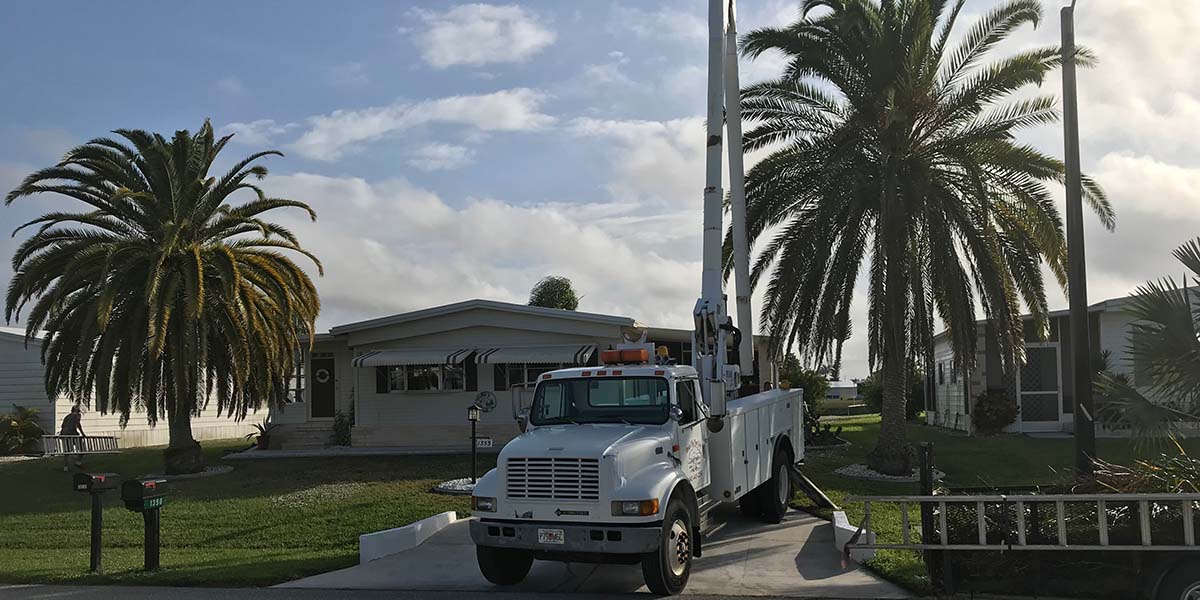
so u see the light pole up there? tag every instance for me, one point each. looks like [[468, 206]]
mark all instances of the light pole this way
[[1081, 346], [473, 416]]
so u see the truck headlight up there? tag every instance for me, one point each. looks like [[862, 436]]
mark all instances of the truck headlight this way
[[483, 503], [635, 508]]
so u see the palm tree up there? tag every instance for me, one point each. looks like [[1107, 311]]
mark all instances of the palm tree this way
[[1165, 349], [554, 291], [162, 295], [886, 140]]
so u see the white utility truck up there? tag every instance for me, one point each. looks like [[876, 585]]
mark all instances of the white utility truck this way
[[624, 462]]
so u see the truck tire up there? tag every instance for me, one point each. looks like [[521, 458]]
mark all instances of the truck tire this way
[[503, 566], [666, 570], [776, 492], [1182, 583]]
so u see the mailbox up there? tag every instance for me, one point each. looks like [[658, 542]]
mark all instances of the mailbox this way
[[144, 494], [94, 483]]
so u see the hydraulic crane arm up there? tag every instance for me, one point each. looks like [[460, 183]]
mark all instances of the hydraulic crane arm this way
[[720, 379]]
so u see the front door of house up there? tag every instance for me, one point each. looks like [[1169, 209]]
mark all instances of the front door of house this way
[[1039, 388], [322, 388]]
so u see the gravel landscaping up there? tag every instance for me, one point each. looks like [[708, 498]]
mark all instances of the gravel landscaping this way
[[861, 471]]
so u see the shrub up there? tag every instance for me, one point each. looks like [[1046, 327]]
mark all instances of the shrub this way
[[994, 410], [19, 431], [343, 425]]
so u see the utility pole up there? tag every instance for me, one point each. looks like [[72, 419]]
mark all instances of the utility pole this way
[[1081, 346]]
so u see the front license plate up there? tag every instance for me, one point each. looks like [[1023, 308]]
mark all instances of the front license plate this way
[[551, 536]]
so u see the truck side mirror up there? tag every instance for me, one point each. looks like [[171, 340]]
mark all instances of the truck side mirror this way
[[523, 419], [676, 414]]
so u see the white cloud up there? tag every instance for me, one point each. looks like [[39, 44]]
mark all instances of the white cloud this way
[[231, 85], [331, 135], [480, 34], [49, 144], [660, 162], [441, 157], [256, 133], [690, 25], [391, 246]]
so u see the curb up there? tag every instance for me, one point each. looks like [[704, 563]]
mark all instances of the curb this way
[[377, 545]]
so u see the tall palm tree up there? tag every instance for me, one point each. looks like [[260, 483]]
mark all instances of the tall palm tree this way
[[162, 295], [887, 141]]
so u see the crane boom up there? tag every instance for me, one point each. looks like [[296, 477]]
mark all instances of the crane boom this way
[[712, 323]]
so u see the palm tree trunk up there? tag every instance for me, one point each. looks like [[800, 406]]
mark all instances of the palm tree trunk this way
[[892, 454], [183, 454]]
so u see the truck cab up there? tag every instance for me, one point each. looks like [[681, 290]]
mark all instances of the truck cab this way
[[616, 465]]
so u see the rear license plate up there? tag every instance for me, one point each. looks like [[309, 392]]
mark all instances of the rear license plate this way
[[551, 536]]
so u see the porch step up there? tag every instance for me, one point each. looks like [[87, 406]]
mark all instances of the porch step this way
[[304, 436]]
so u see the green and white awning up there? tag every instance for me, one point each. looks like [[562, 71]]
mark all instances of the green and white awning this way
[[565, 354], [412, 356]]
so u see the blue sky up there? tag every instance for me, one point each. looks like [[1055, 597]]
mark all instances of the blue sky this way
[[464, 150]]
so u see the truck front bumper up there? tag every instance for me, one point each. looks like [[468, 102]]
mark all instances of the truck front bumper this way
[[577, 537]]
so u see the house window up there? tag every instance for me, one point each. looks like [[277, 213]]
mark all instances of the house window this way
[[297, 381], [512, 375], [428, 378]]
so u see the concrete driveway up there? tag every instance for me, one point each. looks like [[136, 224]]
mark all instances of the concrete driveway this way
[[795, 558]]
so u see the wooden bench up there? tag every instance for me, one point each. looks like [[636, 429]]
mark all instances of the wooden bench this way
[[63, 445]]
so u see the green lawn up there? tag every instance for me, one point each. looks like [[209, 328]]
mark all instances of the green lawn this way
[[999, 460], [264, 523]]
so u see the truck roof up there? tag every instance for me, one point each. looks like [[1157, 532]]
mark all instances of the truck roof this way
[[633, 370]]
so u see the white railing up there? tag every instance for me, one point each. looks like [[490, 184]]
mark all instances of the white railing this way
[[1187, 503]]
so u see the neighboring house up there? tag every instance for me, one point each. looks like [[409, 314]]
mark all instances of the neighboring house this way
[[409, 378], [1044, 386], [22, 382], [841, 395]]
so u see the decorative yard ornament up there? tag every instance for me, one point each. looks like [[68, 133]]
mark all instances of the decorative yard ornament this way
[[486, 401]]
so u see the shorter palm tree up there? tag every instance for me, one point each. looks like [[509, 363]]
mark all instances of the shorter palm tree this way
[[162, 296], [1164, 347]]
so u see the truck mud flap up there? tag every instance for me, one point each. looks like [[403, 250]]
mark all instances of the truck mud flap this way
[[810, 489]]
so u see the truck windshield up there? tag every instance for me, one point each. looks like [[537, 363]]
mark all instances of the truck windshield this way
[[642, 400]]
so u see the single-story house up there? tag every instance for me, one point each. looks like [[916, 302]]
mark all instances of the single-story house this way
[[22, 383], [1044, 386], [408, 379], [840, 396]]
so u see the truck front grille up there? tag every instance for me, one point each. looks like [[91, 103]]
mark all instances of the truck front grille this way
[[554, 478]]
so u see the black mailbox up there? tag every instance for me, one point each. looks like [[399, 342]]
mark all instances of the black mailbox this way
[[144, 494], [93, 483]]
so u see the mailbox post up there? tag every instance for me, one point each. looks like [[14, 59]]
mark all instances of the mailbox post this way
[[147, 496], [95, 484], [473, 416]]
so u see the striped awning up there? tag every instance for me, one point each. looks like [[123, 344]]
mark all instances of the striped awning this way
[[571, 355], [412, 356]]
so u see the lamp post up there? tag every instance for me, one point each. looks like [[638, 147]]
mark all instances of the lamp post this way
[[1081, 346], [473, 416]]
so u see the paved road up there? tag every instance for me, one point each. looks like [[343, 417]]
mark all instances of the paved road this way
[[795, 558], [58, 592]]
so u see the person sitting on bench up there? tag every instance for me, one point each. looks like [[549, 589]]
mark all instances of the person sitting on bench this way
[[72, 424]]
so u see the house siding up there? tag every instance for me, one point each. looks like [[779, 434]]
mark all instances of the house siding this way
[[22, 381]]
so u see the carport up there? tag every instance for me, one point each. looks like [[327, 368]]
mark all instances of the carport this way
[[794, 558]]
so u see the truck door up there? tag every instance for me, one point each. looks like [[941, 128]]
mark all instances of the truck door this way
[[693, 449]]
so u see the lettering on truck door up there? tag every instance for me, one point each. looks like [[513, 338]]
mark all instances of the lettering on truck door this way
[[693, 451]]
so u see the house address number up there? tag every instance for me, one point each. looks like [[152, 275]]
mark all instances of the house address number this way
[[483, 442]]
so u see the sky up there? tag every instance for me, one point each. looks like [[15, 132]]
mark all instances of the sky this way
[[465, 150]]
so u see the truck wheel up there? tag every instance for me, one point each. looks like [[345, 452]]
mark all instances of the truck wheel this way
[[666, 570], [1182, 583], [775, 493], [503, 566]]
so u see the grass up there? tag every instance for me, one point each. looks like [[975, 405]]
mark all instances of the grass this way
[[264, 523], [967, 461], [272, 521]]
